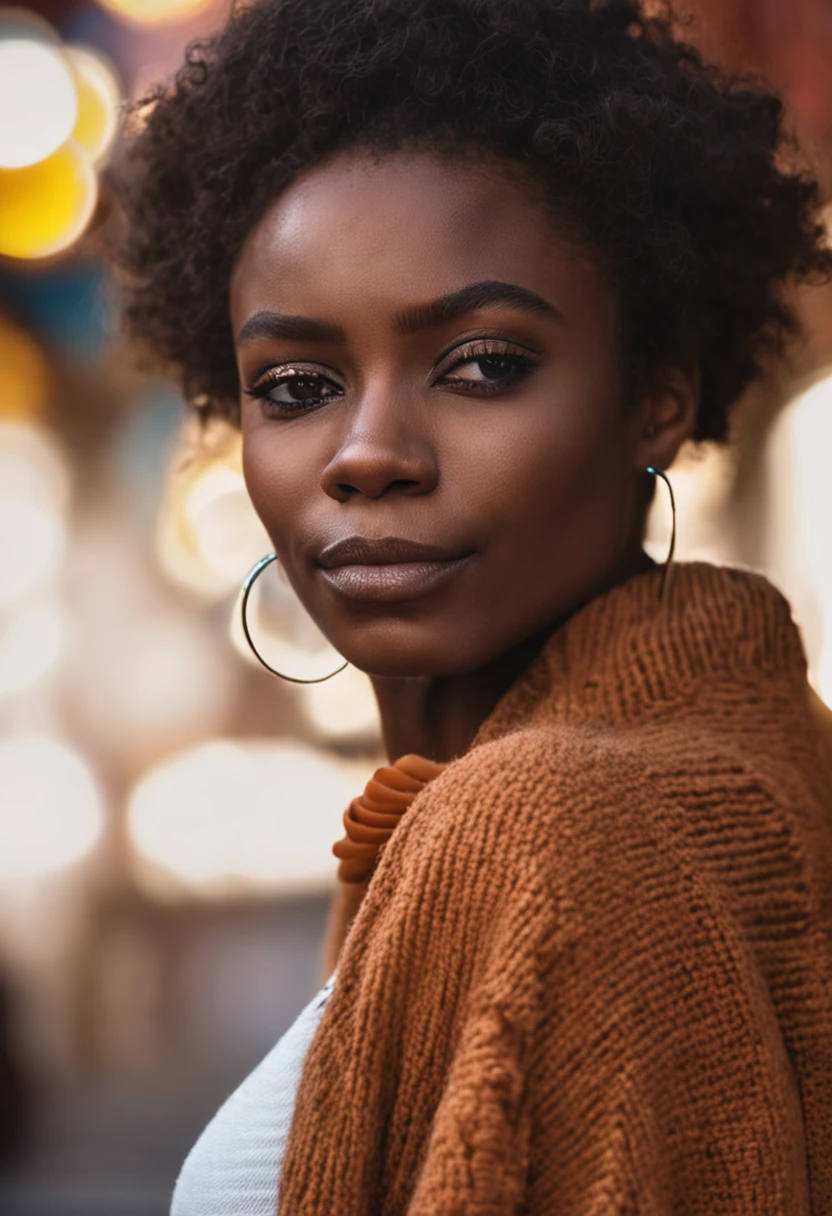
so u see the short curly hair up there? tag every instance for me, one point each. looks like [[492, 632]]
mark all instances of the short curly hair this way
[[672, 173]]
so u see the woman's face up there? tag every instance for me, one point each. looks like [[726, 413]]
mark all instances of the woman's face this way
[[434, 433]]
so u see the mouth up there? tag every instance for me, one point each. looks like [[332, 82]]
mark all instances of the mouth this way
[[388, 570]]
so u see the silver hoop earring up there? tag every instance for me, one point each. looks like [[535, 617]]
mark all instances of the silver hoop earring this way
[[666, 566], [252, 576]]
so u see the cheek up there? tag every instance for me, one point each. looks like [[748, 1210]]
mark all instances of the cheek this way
[[279, 476], [558, 464]]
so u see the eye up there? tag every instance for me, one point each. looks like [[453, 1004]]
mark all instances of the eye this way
[[285, 391], [486, 365]]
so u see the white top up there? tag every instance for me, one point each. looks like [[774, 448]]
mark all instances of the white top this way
[[234, 1167]]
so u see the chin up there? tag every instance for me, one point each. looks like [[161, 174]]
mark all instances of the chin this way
[[395, 655]]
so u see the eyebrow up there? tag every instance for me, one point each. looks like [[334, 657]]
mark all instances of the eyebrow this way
[[489, 293], [283, 325]]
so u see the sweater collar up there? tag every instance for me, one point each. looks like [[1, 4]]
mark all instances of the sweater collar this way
[[625, 653]]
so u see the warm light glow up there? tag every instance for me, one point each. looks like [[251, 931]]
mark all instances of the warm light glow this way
[[152, 676], [33, 467], [24, 377], [344, 707], [46, 207], [51, 811], [223, 526], [823, 671], [180, 561], [208, 534], [30, 645], [38, 102], [154, 12], [701, 477], [230, 818], [799, 535], [99, 96], [31, 546], [34, 488]]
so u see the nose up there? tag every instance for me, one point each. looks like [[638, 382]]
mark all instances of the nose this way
[[383, 451]]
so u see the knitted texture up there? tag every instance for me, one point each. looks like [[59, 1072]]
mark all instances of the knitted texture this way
[[369, 821], [592, 972]]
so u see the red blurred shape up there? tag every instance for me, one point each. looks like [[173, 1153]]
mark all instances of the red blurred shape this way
[[789, 41]]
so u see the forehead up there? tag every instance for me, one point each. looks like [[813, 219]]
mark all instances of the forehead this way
[[404, 227]]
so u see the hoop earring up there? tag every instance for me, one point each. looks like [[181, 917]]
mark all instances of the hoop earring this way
[[251, 577], [666, 566]]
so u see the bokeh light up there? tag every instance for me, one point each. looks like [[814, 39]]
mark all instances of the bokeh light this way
[[799, 531], [51, 809], [344, 708], [38, 101], [230, 818], [154, 12], [148, 677], [33, 466], [45, 207], [171, 677], [24, 376], [31, 546], [222, 523], [208, 534], [31, 641], [99, 96], [34, 488]]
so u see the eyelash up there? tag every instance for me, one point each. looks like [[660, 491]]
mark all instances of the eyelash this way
[[522, 363]]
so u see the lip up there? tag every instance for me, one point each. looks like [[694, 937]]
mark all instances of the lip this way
[[389, 569], [386, 551]]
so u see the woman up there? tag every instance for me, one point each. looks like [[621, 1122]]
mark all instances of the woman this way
[[468, 273]]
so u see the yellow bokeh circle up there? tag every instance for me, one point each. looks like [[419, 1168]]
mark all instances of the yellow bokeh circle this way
[[154, 12], [24, 377], [99, 96], [45, 207]]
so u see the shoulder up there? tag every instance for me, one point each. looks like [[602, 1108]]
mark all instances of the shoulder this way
[[525, 788], [548, 762], [564, 798], [736, 583]]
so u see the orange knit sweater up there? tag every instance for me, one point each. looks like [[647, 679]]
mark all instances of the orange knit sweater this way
[[592, 973]]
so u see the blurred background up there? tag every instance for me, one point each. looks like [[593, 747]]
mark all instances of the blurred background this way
[[167, 808]]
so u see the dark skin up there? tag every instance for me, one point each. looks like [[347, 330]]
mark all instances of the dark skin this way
[[462, 389]]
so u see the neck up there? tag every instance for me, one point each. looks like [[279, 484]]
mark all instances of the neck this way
[[438, 716]]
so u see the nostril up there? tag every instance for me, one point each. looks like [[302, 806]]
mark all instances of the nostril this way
[[358, 471], [401, 485]]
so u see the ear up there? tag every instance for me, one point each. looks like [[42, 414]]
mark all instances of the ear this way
[[667, 414]]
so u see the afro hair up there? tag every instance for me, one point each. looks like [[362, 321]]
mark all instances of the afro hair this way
[[673, 174]]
